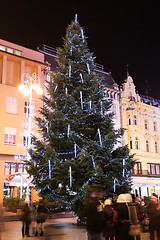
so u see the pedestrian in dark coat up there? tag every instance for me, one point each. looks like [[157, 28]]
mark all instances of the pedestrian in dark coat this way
[[41, 217], [95, 221], [153, 211], [122, 226], [109, 231], [26, 219]]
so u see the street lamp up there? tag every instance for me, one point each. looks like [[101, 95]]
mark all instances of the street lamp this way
[[29, 83]]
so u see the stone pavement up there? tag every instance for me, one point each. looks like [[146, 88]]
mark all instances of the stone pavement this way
[[55, 229]]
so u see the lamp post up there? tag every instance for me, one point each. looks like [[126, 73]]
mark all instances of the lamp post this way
[[28, 84]]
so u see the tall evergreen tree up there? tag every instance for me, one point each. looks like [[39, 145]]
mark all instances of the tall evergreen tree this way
[[78, 144]]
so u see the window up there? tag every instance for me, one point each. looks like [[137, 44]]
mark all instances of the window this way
[[138, 168], [147, 146], [10, 50], [7, 168], [153, 168], [13, 168], [27, 108], [2, 48], [129, 121], [26, 138], [130, 144], [20, 167], [148, 168], [16, 52], [136, 143], [156, 147], [10, 135], [11, 106], [25, 168], [157, 169], [155, 126], [135, 120], [145, 124]]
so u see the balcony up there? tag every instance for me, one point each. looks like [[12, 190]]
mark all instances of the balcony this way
[[144, 173]]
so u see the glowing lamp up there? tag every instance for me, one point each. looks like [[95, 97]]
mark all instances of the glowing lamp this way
[[21, 87], [26, 92], [39, 91], [35, 86]]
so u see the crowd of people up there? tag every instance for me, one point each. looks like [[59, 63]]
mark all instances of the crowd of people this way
[[123, 218], [109, 219]]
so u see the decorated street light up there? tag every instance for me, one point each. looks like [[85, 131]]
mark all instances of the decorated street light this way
[[29, 83]]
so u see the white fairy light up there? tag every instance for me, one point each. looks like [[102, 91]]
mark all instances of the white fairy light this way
[[81, 99], [100, 140], [75, 150], [69, 70], [88, 68], [66, 91], [82, 33], [68, 130], [90, 104], [81, 77]]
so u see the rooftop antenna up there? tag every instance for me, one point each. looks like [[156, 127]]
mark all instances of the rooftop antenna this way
[[127, 65]]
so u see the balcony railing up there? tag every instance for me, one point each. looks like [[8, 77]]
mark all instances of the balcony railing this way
[[145, 173]]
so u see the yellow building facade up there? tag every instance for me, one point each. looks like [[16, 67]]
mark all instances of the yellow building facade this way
[[16, 60], [140, 117]]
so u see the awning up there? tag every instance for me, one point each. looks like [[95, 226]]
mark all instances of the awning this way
[[19, 180]]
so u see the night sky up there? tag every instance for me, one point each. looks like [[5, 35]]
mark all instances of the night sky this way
[[119, 33]]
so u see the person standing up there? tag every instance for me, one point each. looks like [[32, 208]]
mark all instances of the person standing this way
[[153, 211], [122, 226], [109, 231], [41, 217], [95, 220], [26, 219]]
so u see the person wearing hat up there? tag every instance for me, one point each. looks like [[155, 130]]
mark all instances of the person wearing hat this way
[[122, 226], [109, 231]]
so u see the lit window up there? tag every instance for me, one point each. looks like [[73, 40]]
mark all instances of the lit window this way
[[20, 167], [153, 169], [10, 50], [16, 52], [2, 48], [147, 146], [25, 168], [11, 106], [27, 108], [10, 135], [135, 120], [157, 169], [145, 124], [138, 168], [156, 147], [7, 168], [136, 143], [13, 168]]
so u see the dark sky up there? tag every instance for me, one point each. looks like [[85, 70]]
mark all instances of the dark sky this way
[[119, 33]]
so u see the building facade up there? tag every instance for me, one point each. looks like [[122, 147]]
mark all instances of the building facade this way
[[16, 60], [140, 117]]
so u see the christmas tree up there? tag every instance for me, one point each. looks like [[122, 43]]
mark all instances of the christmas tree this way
[[78, 145]]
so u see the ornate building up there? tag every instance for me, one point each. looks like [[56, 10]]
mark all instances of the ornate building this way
[[140, 116], [16, 60]]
